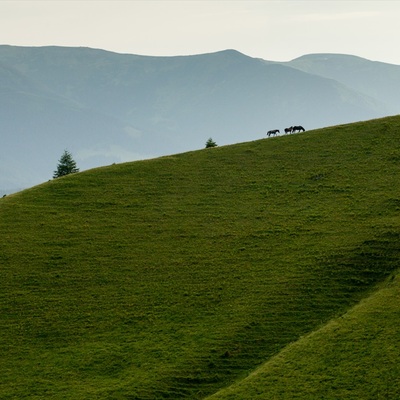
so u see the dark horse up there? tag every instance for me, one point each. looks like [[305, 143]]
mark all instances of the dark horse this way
[[289, 130], [273, 133], [298, 129]]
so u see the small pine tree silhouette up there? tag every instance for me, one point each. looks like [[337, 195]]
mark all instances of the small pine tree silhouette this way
[[66, 165], [210, 143]]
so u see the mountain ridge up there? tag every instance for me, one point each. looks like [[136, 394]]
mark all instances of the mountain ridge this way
[[374, 78], [108, 107]]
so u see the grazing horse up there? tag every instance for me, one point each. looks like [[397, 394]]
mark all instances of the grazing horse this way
[[298, 129], [273, 133], [288, 130]]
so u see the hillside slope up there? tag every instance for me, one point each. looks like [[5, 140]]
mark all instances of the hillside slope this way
[[352, 357], [179, 276], [106, 107]]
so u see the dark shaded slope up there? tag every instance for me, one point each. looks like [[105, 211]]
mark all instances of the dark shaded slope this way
[[354, 356]]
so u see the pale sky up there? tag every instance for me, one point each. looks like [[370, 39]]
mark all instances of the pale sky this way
[[278, 30]]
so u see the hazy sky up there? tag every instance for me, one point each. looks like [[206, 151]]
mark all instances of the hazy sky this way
[[274, 30]]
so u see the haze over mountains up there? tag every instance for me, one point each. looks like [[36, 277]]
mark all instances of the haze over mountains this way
[[108, 108]]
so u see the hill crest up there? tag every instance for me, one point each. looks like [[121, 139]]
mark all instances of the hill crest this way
[[178, 276], [108, 107]]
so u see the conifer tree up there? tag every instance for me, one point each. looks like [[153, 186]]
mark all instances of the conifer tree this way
[[210, 143], [66, 165]]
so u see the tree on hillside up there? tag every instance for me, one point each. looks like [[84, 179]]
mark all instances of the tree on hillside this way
[[210, 143], [66, 165]]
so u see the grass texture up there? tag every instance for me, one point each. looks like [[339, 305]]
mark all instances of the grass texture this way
[[266, 269]]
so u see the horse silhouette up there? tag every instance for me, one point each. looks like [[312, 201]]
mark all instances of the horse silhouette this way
[[273, 132], [298, 129], [289, 130]]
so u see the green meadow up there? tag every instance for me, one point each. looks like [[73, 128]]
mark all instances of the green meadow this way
[[261, 270]]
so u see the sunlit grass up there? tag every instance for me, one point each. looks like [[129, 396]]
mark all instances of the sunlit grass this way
[[179, 276]]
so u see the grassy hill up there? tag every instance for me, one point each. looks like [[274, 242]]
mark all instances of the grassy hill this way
[[266, 269]]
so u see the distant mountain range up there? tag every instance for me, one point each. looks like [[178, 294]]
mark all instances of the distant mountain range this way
[[108, 108]]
